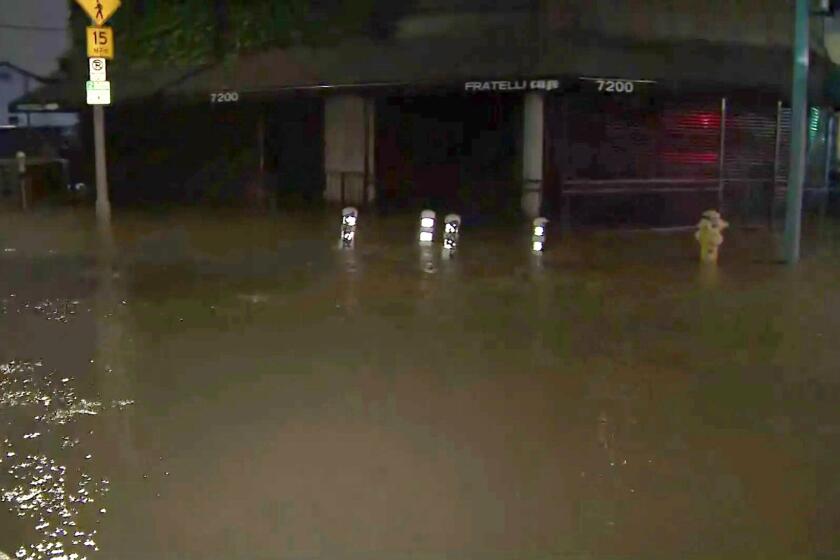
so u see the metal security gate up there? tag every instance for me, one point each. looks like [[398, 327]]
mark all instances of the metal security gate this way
[[633, 161], [755, 146], [757, 159], [644, 162]]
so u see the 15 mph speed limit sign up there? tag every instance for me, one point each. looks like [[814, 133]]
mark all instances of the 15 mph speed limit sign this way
[[100, 42]]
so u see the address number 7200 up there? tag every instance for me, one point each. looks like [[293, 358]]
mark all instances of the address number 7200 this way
[[616, 86], [224, 97]]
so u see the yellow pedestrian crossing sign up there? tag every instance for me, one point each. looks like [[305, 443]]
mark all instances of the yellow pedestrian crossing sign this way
[[99, 10]]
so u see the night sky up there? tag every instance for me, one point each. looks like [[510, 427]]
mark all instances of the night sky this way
[[36, 50]]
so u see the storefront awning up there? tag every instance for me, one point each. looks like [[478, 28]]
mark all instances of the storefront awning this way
[[68, 93], [448, 62], [452, 62], [359, 64], [685, 65]]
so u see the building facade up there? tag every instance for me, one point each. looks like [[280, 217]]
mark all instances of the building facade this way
[[600, 112]]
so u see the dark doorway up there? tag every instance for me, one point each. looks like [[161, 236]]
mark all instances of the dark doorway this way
[[449, 152], [295, 149]]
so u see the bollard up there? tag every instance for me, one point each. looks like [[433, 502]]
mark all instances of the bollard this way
[[349, 218], [21, 168], [427, 227], [538, 237], [710, 235], [451, 233]]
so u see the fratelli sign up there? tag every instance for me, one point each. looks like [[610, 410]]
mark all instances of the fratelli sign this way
[[512, 85]]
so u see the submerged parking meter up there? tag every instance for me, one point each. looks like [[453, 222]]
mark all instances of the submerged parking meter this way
[[21, 162], [349, 218], [21, 168]]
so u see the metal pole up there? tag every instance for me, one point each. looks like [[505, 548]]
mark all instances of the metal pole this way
[[103, 204], [371, 152], [24, 195], [565, 199], [776, 164], [261, 188], [798, 126], [365, 154], [829, 147], [261, 142], [722, 153]]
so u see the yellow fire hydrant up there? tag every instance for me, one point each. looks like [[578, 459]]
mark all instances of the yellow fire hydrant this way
[[710, 235]]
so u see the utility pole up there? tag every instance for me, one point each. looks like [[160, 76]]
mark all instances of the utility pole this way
[[798, 139]]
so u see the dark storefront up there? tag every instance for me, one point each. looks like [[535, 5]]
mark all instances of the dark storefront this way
[[684, 122], [449, 151], [224, 153], [660, 159]]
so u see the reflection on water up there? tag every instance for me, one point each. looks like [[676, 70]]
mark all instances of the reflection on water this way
[[39, 487], [49, 481], [196, 386]]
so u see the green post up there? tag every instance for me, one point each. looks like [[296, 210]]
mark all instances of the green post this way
[[798, 126]]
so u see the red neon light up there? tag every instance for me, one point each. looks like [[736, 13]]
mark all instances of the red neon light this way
[[697, 120], [700, 158]]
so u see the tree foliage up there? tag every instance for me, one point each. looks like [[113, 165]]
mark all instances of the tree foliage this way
[[154, 32], [165, 32], [195, 31]]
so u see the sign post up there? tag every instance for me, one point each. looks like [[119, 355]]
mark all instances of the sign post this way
[[100, 46], [103, 203], [798, 138]]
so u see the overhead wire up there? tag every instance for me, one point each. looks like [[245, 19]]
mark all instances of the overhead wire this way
[[22, 27]]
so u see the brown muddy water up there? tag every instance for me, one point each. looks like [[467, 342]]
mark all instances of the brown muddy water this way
[[207, 385]]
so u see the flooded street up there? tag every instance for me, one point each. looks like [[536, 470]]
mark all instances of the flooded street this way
[[207, 385]]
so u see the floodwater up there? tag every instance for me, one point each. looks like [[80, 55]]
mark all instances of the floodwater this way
[[208, 385]]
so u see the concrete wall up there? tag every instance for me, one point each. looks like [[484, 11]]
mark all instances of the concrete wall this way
[[532, 154], [753, 22], [832, 38]]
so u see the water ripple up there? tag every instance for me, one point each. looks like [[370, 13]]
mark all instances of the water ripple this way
[[40, 488]]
